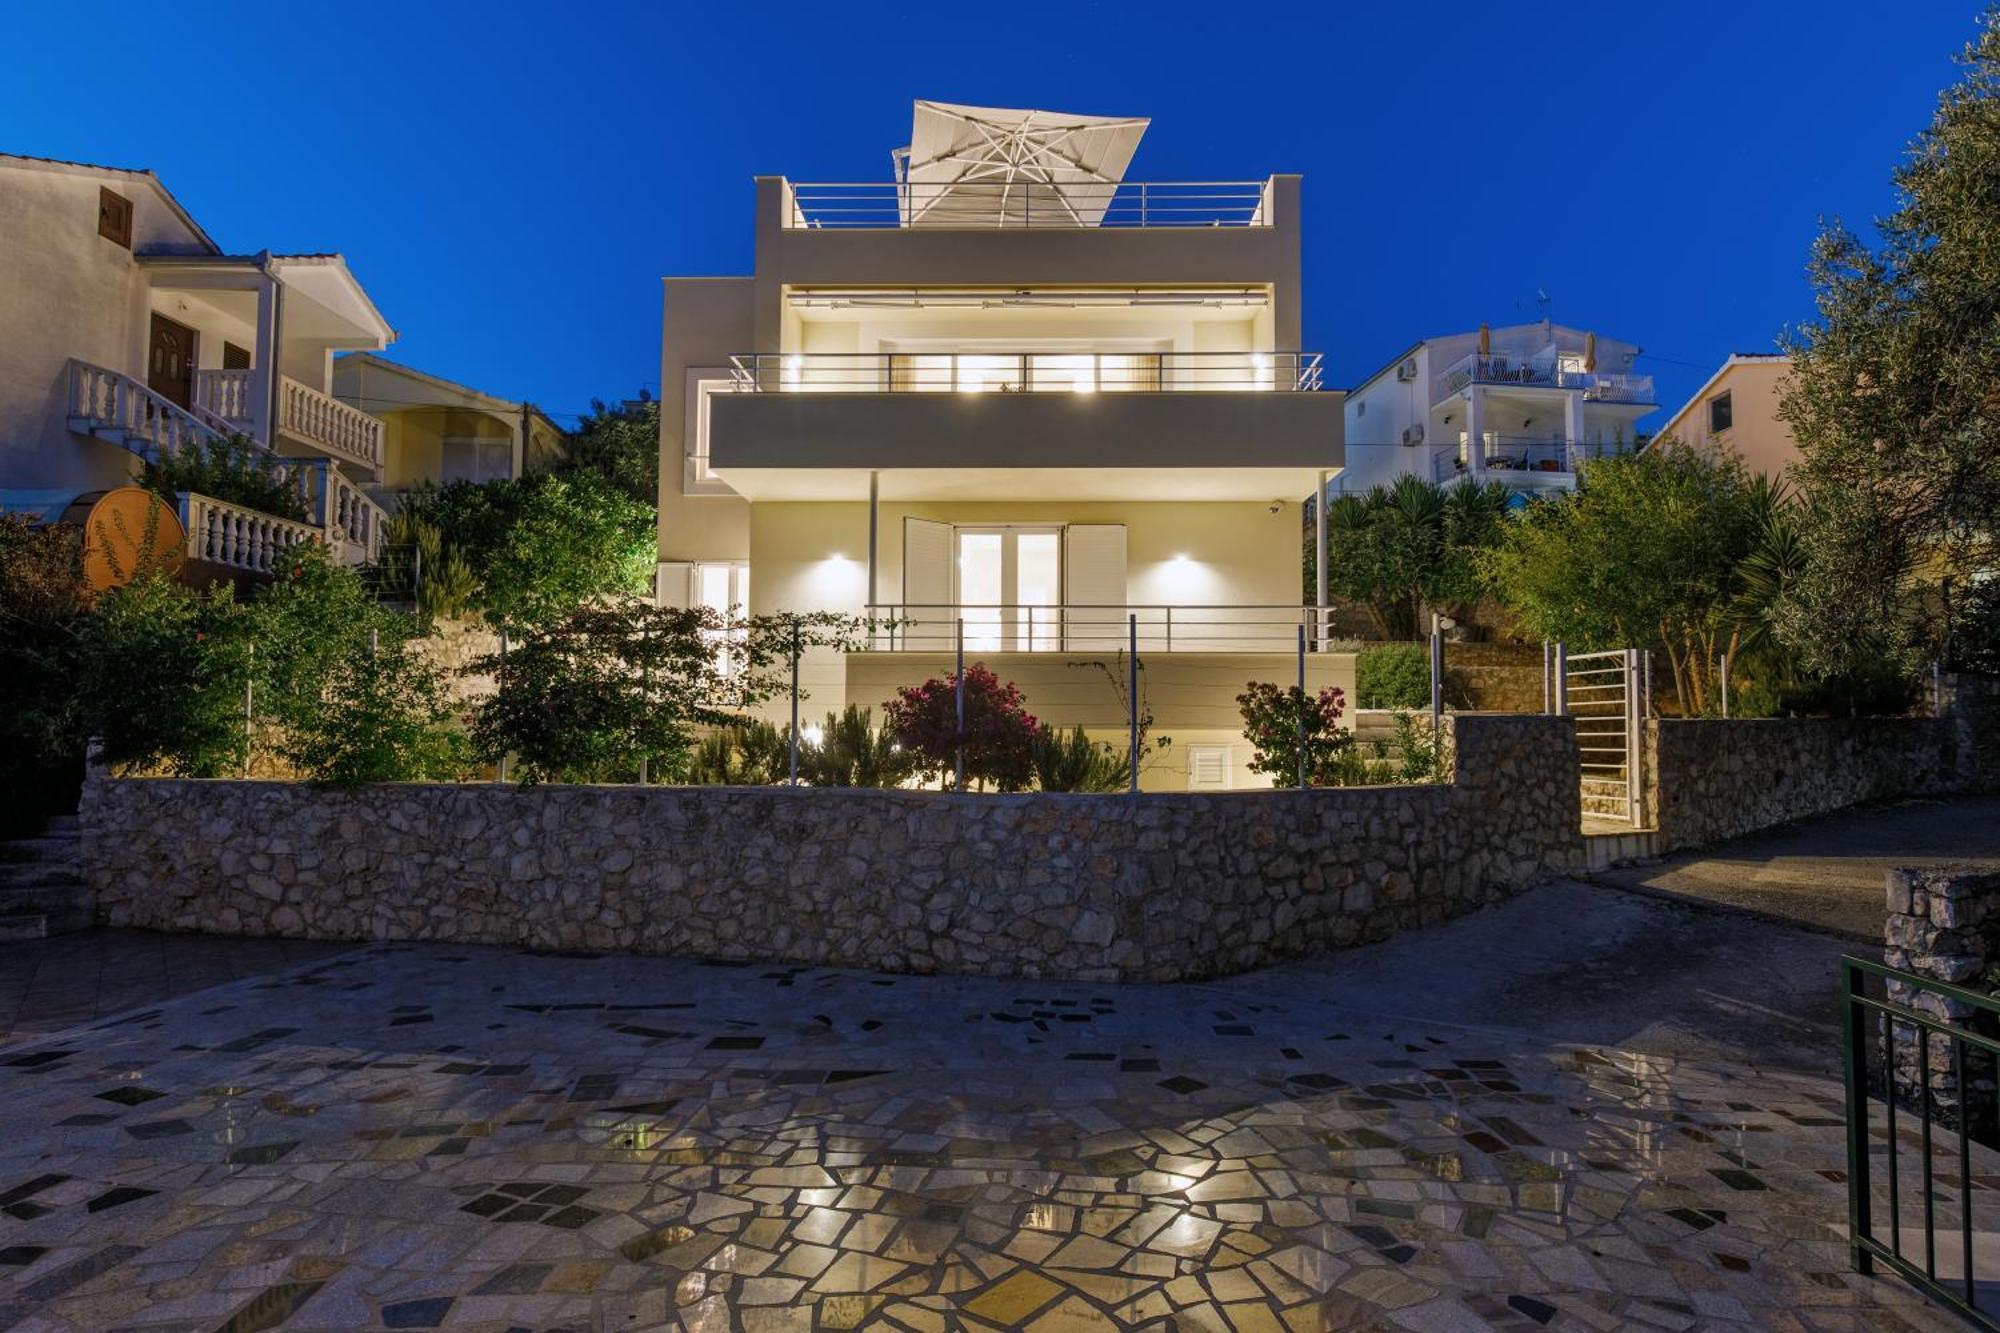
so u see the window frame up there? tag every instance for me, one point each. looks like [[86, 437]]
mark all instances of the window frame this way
[[1723, 405]]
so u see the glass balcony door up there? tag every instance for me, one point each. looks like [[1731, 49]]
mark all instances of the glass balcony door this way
[[1010, 587]]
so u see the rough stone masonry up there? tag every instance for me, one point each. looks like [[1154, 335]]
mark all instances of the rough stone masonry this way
[[1154, 887]]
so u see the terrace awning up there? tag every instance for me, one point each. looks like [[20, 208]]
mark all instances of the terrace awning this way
[[973, 166]]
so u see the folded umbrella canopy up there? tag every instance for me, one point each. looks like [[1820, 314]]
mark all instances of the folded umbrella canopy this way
[[975, 166]]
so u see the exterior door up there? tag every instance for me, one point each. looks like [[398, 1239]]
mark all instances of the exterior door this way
[[1010, 587], [170, 361]]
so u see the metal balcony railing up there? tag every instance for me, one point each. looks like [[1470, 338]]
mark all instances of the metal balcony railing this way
[[1075, 627], [1009, 204], [1542, 371], [1511, 455], [1023, 372]]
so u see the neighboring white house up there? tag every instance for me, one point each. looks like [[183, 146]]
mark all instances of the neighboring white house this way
[[436, 430], [1523, 405], [1012, 390], [127, 332]]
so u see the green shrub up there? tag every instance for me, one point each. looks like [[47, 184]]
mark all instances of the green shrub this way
[[1276, 719], [415, 559], [1071, 761], [541, 546], [997, 740], [352, 694], [592, 697], [744, 753], [232, 469], [851, 752], [381, 714], [43, 603], [1393, 675], [162, 670]]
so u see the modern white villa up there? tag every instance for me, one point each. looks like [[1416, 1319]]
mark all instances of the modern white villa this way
[[128, 332], [1524, 405], [1010, 390]]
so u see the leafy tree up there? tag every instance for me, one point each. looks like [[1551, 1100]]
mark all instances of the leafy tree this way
[[1412, 546], [231, 468], [1649, 552], [542, 546], [1294, 734], [43, 602], [353, 696], [998, 738], [1892, 398], [589, 697], [162, 670], [621, 446]]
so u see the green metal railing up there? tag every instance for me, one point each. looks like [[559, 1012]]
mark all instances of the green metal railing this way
[[1921, 1017]]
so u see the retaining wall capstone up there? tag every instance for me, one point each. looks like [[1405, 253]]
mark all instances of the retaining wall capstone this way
[[1156, 887]]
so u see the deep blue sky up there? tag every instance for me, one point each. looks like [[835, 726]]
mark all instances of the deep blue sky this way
[[510, 180]]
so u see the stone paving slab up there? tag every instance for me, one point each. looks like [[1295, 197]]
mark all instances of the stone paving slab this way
[[47, 985], [421, 1136]]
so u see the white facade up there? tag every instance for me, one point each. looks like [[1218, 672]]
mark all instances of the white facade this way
[[1041, 402], [128, 333], [1527, 411]]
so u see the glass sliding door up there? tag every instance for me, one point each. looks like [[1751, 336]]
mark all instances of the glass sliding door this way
[[1010, 588]]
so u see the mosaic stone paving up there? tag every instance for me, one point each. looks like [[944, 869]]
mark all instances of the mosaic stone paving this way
[[420, 1137]]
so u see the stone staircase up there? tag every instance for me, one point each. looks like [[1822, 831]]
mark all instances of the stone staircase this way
[[42, 892]]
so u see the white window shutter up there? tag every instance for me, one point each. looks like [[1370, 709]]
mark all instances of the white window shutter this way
[[1094, 586], [927, 581]]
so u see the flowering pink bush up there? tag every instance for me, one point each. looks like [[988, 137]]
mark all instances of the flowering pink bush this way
[[999, 732], [1271, 723]]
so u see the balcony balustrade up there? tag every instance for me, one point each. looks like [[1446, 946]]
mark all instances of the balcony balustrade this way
[[1545, 373], [1011, 204], [1024, 372], [1072, 627]]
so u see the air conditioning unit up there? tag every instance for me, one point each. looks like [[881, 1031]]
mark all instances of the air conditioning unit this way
[[1413, 435], [1408, 370]]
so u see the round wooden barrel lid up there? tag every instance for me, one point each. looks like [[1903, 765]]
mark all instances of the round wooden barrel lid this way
[[126, 531]]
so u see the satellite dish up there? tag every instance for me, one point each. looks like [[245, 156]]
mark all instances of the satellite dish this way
[[127, 531]]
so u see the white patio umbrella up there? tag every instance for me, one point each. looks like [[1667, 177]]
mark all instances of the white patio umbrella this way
[[973, 166]]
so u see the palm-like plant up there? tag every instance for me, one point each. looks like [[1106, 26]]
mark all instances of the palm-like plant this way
[[1407, 547]]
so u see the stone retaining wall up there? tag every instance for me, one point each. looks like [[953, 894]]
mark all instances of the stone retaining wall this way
[[1944, 924], [1153, 887], [1707, 780], [1494, 677]]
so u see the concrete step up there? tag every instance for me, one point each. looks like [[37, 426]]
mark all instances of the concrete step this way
[[18, 926], [38, 874], [48, 847], [62, 896], [1603, 850]]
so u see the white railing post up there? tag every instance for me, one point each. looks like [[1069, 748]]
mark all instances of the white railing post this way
[[1634, 750]]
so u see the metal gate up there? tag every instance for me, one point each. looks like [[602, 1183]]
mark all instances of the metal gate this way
[[1602, 692]]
